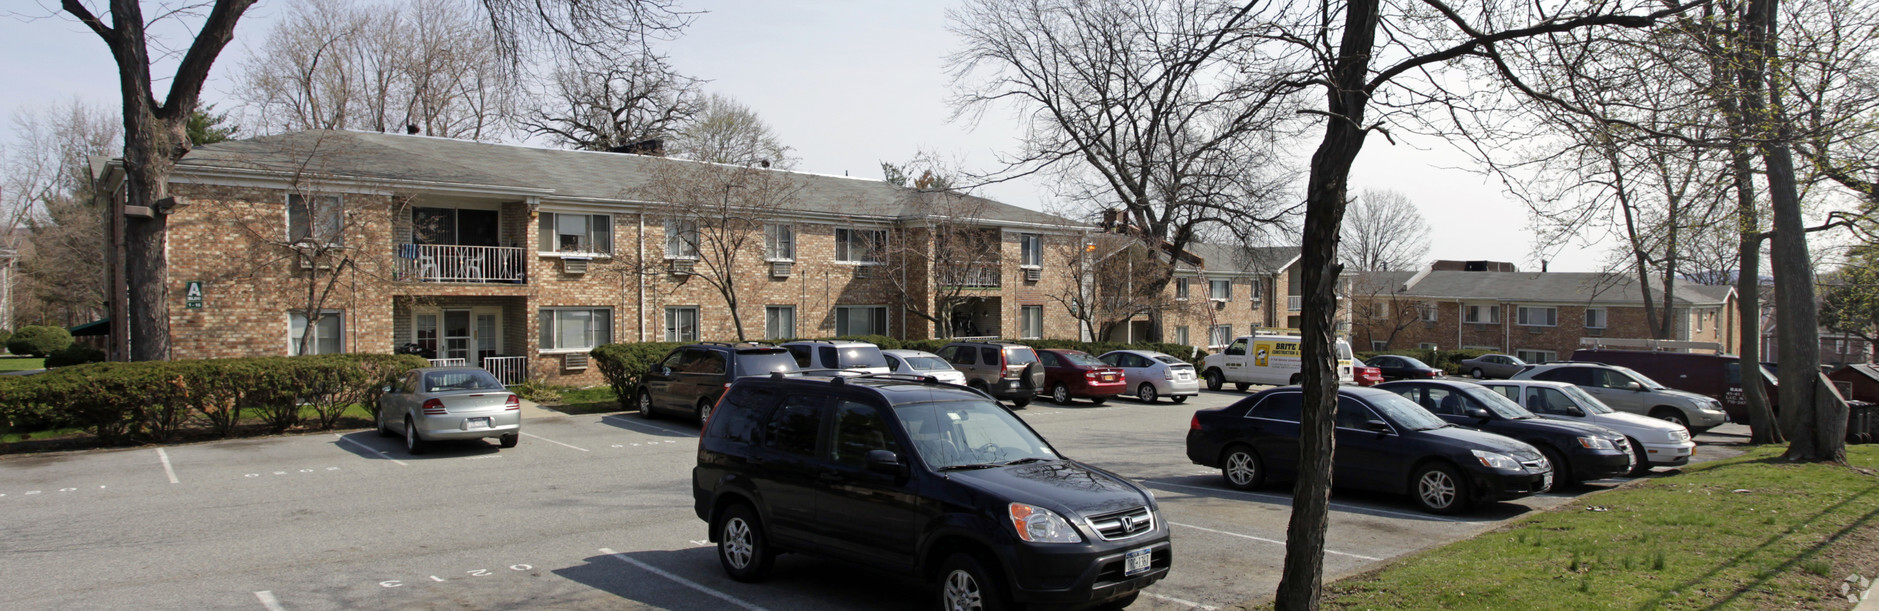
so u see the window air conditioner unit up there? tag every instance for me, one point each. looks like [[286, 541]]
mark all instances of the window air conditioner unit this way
[[1535, 330], [574, 266], [864, 271], [1033, 274], [681, 267], [1595, 332], [781, 269], [574, 361]]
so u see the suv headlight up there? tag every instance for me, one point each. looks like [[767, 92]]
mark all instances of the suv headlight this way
[[1596, 443], [1492, 460], [1040, 525]]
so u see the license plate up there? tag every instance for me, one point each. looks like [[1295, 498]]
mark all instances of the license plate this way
[[1136, 562], [1546, 482], [475, 423]]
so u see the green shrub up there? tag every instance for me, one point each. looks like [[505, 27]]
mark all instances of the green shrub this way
[[38, 340], [75, 354], [624, 365], [4, 336]]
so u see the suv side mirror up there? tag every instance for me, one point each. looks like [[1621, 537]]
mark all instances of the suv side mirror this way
[[884, 462], [665, 371], [1634, 386], [388, 390]]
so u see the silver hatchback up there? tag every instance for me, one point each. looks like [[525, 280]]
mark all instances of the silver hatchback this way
[[440, 403]]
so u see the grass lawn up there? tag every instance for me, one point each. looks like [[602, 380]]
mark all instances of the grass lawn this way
[[593, 400], [21, 363], [1746, 533]]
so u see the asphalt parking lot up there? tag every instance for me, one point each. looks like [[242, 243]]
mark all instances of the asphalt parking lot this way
[[589, 512]]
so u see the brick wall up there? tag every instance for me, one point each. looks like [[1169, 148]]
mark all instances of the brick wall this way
[[1402, 329]]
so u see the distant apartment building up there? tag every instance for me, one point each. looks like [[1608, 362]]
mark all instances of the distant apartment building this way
[[1537, 316]]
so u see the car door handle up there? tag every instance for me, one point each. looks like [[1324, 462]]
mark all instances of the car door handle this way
[[829, 476]]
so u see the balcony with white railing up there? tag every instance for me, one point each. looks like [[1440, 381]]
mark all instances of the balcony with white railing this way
[[452, 263], [970, 275]]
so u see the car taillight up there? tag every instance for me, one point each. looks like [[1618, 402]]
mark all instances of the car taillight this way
[[513, 404], [1091, 374], [1194, 425], [434, 407]]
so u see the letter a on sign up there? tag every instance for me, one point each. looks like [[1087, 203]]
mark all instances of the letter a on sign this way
[[192, 296]]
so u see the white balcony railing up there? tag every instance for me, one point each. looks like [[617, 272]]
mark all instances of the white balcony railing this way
[[1294, 303], [510, 370], [449, 362], [971, 275], [449, 263]]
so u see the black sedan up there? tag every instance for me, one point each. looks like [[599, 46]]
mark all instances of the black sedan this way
[[1403, 368], [1384, 443], [1578, 451]]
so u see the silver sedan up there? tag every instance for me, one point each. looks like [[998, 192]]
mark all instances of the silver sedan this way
[[922, 363], [440, 403], [1153, 374]]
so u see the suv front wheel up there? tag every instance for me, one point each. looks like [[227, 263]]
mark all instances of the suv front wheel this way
[[645, 404], [742, 548], [965, 584]]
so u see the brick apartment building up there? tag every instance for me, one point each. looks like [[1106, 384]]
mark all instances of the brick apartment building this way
[[1537, 316], [522, 259]]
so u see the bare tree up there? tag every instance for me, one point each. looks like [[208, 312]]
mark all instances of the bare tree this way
[[601, 105], [1377, 313], [945, 258], [155, 132], [718, 221], [50, 215], [726, 131], [1384, 231], [1169, 108]]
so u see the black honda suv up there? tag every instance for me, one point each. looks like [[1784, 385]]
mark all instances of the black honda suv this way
[[691, 378], [924, 479]]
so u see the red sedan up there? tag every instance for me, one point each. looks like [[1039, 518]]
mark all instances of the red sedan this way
[[1074, 374], [1365, 374]]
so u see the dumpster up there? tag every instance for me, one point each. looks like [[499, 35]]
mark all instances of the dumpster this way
[[1862, 421]]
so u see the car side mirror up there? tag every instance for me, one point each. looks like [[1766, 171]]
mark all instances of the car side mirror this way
[[1478, 413], [388, 390], [665, 371], [1634, 386], [1377, 426], [884, 462], [1575, 412]]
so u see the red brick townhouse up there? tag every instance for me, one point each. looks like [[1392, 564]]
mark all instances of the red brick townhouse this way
[[1537, 316], [522, 259]]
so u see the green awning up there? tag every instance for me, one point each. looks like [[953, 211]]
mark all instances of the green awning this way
[[98, 327]]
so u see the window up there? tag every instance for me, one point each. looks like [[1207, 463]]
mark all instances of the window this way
[[1699, 321], [1180, 335], [329, 333], [1527, 316], [575, 328], [1180, 289], [1380, 309], [584, 233], [681, 324], [1219, 335], [681, 239], [324, 221], [1283, 407], [860, 320], [859, 429], [1535, 356], [1427, 311], [779, 242], [859, 245], [1427, 346], [1481, 314], [1379, 345], [1254, 290], [1595, 318], [1030, 322], [1220, 290], [796, 424], [779, 322], [1031, 250]]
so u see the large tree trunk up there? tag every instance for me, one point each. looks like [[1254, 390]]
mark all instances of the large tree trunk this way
[[1301, 583], [1748, 283]]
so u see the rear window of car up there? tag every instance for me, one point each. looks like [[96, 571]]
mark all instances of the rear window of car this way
[[926, 363], [762, 362], [1020, 356], [860, 356], [1169, 359], [471, 379]]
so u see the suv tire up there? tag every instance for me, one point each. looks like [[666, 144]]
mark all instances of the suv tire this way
[[965, 584], [704, 411], [643, 400], [1214, 380], [1674, 417], [1438, 488], [743, 548]]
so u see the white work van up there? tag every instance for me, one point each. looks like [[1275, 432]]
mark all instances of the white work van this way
[[1265, 359]]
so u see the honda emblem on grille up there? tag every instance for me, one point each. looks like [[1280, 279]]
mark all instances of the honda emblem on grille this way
[[1128, 523]]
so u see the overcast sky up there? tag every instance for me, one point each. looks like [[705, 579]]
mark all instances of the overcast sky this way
[[848, 84]]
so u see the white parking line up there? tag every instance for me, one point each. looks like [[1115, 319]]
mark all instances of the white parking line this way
[[167, 470], [268, 600], [686, 582], [1189, 603], [1288, 499], [1222, 532], [553, 441], [374, 450]]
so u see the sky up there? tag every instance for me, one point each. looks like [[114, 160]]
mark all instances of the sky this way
[[846, 83]]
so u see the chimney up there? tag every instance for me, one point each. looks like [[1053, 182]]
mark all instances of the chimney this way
[[652, 147], [411, 129]]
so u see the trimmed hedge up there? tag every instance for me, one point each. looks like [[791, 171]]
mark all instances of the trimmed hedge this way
[[38, 340], [1445, 360], [75, 354], [154, 400]]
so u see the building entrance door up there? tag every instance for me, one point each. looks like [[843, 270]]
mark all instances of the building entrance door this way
[[457, 335]]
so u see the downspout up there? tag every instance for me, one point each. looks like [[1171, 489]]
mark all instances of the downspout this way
[[1507, 334], [639, 275], [1459, 314]]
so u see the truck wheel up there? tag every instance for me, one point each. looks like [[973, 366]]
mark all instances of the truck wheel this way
[[1240, 386], [1215, 380]]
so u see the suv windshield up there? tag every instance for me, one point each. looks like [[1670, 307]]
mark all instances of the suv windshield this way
[[1499, 403], [969, 434], [1020, 356], [762, 362], [860, 356], [1405, 412]]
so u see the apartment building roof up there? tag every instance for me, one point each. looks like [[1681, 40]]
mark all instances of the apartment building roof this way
[[553, 175], [1532, 287], [1243, 259]]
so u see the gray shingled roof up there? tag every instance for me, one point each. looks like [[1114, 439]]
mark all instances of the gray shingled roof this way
[[551, 173], [1542, 287], [1247, 259]]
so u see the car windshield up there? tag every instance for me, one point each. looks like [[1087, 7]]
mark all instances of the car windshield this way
[[860, 356], [1641, 378], [762, 362], [448, 381], [926, 363], [969, 435], [1020, 356], [1405, 412], [1413, 363], [1499, 404], [1080, 358], [1515, 361], [1586, 401]]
